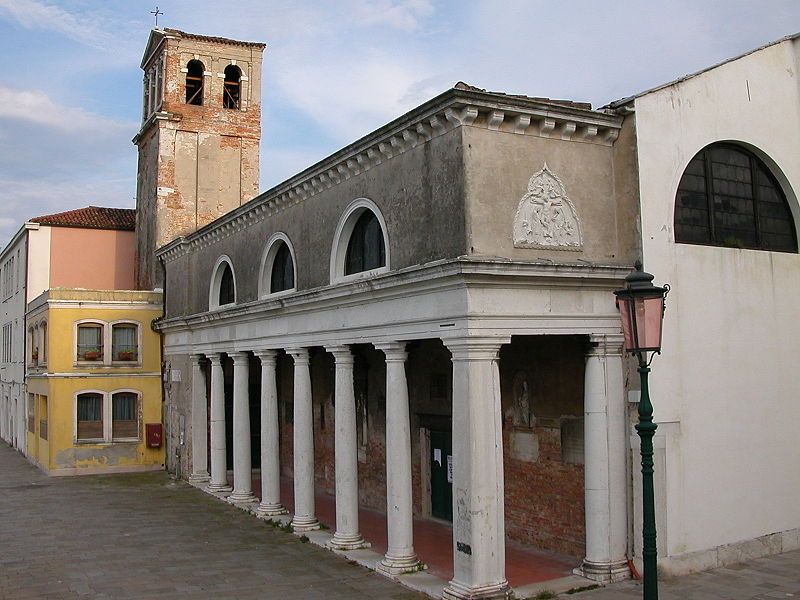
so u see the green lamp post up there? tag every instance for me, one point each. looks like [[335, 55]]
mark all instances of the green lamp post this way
[[641, 307]]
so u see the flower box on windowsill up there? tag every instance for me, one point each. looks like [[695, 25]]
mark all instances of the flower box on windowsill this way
[[126, 355], [35, 355], [91, 355]]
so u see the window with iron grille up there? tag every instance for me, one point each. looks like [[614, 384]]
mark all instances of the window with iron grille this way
[[365, 250], [728, 197]]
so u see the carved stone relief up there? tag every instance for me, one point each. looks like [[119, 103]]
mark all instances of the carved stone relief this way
[[546, 217]]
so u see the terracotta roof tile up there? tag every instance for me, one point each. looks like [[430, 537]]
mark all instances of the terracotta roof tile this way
[[92, 217], [582, 105]]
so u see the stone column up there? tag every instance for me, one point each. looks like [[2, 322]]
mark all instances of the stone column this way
[[219, 464], [242, 459], [604, 451], [400, 556], [347, 535], [304, 518], [478, 492], [270, 440], [199, 423]]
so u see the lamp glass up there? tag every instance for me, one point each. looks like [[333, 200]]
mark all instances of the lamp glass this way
[[641, 322]]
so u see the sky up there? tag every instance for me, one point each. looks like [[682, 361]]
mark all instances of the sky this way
[[333, 70]]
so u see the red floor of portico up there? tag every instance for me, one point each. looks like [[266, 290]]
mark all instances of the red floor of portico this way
[[433, 541]]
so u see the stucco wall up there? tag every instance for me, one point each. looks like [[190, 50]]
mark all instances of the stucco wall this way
[[726, 381], [419, 192], [499, 166], [101, 259]]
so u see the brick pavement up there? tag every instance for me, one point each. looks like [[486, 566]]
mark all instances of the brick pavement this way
[[145, 536]]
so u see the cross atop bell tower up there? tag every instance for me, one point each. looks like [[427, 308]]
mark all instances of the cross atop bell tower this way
[[199, 140]]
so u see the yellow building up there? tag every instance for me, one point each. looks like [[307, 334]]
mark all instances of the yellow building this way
[[94, 381]]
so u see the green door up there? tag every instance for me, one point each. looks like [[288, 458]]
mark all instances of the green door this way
[[441, 459]]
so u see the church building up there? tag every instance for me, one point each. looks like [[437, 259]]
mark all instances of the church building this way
[[424, 324]]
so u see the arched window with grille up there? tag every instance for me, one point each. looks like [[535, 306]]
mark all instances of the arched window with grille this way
[[223, 284], [194, 82], [282, 276], [231, 93], [366, 249], [728, 196]]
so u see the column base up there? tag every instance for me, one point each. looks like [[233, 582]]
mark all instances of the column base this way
[[219, 487], [347, 542], [271, 509], [242, 497], [604, 572], [458, 591], [201, 477], [397, 565], [304, 523]]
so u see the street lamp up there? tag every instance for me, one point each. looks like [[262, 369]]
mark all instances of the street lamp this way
[[641, 307]]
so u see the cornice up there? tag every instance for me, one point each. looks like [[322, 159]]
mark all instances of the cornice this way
[[438, 275], [448, 111]]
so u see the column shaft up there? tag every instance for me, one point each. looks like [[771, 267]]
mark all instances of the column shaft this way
[[270, 440], [400, 556], [242, 459], [347, 535], [199, 423], [304, 518], [604, 448], [478, 486], [219, 464]]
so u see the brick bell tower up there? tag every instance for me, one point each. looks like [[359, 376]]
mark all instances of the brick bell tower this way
[[199, 140]]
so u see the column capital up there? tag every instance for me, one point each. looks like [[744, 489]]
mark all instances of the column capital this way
[[239, 358], [215, 358], [197, 358], [393, 351], [300, 355], [342, 354], [605, 344], [266, 356], [475, 348]]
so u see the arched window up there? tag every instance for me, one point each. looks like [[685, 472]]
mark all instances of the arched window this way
[[277, 266], [366, 249], [223, 284], [231, 88], [282, 276], [227, 293], [728, 197], [194, 82]]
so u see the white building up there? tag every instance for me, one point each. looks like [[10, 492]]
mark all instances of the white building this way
[[726, 389]]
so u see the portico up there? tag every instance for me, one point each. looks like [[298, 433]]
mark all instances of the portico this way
[[474, 404]]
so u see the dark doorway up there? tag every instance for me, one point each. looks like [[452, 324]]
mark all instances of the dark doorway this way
[[441, 461]]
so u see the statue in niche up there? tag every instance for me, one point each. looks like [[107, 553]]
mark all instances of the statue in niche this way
[[545, 217], [523, 412]]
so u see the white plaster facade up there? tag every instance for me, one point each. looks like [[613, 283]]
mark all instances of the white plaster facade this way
[[726, 389]]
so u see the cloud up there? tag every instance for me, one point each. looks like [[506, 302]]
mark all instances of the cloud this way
[[404, 15], [38, 15], [24, 199], [36, 107]]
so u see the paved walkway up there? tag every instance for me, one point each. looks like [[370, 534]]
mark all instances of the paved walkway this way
[[759, 579], [146, 537]]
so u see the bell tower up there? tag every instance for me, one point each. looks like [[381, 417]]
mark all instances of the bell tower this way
[[199, 140]]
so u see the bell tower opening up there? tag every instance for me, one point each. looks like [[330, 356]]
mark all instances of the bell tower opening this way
[[194, 82], [198, 158]]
